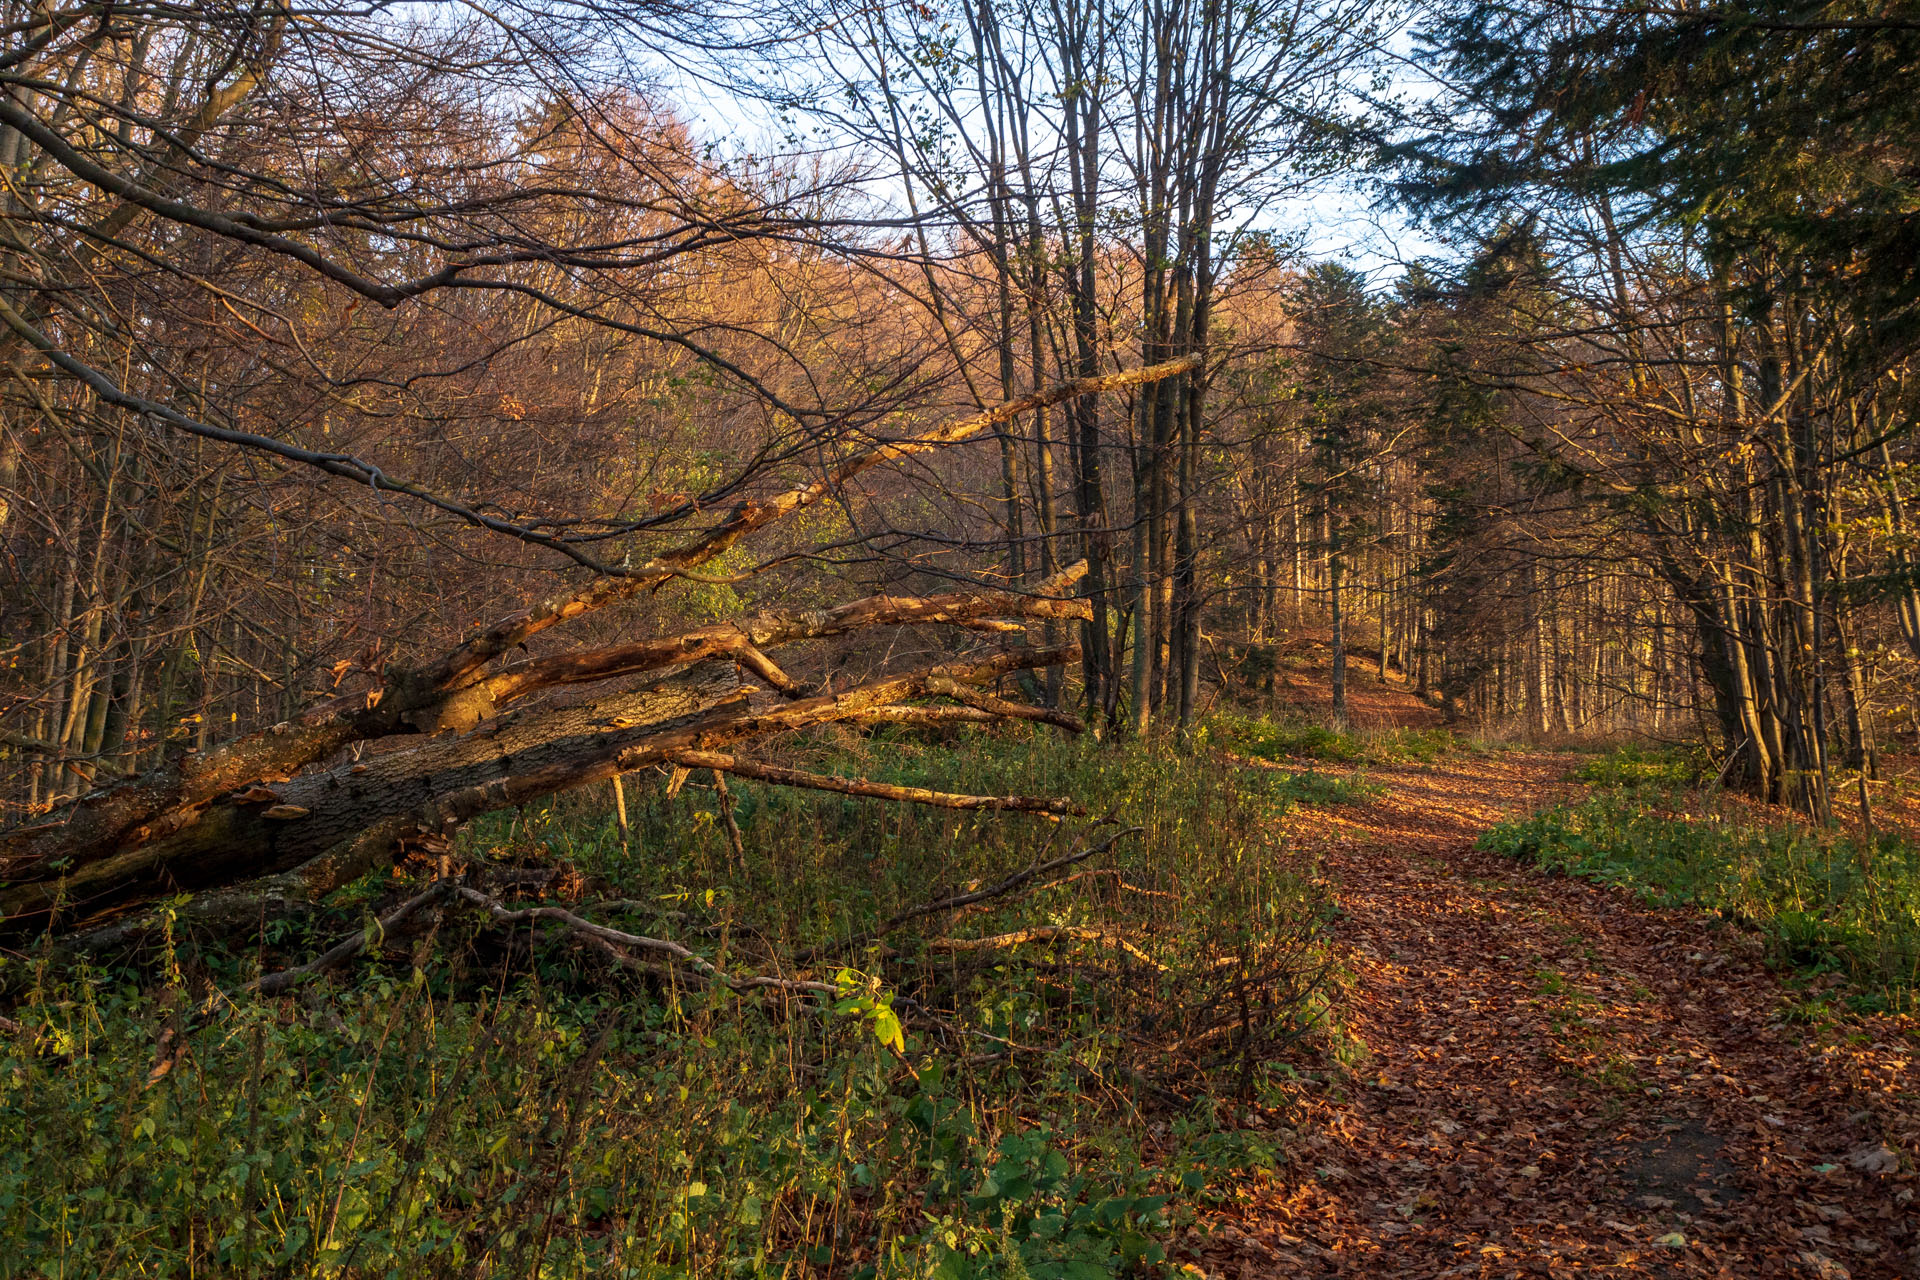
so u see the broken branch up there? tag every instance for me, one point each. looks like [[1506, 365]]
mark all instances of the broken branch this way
[[274, 983], [616, 938], [1045, 806], [1046, 933], [972, 896], [993, 706]]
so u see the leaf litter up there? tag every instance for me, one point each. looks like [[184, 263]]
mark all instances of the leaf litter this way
[[1538, 1076]]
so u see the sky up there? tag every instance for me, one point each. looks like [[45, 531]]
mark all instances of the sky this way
[[1344, 220]]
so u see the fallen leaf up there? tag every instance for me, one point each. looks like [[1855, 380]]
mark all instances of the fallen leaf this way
[[1877, 1158], [1823, 1267]]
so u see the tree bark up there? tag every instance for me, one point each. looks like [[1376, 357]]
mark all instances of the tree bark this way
[[328, 816]]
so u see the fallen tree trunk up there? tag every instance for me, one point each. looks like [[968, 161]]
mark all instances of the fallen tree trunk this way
[[162, 804], [456, 690], [281, 807], [271, 828], [329, 826]]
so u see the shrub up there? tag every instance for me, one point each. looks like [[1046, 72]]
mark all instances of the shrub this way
[[483, 1101]]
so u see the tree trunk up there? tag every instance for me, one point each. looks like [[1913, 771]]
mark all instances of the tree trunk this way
[[336, 823], [1335, 569]]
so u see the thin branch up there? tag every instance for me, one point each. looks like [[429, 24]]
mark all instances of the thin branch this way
[[969, 898], [779, 775], [1046, 933], [605, 937], [274, 983]]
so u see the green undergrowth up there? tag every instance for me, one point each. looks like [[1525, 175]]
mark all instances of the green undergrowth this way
[[1299, 739], [1635, 766], [1824, 901], [478, 1100]]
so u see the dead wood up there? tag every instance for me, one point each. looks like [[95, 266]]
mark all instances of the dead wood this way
[[265, 807], [1047, 933], [1000, 707], [931, 716], [753, 515], [315, 832], [747, 640], [274, 983], [1045, 806], [621, 944], [454, 693], [969, 897]]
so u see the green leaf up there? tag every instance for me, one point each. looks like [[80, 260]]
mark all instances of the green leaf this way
[[886, 1029]]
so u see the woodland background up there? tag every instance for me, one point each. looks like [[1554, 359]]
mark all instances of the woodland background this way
[[419, 428]]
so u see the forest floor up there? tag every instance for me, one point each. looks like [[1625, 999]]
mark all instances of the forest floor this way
[[1538, 1076]]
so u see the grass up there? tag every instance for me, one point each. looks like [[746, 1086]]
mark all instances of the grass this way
[[1633, 766], [480, 1101], [1822, 900], [1299, 739]]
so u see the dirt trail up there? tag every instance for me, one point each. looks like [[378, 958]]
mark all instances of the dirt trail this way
[[1548, 1078]]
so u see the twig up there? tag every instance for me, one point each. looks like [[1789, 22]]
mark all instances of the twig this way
[[344, 950], [957, 901], [1047, 933], [720, 763]]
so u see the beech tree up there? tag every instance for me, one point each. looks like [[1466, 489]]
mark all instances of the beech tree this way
[[1084, 179]]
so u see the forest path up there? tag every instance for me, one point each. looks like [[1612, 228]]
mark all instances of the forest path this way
[[1545, 1077]]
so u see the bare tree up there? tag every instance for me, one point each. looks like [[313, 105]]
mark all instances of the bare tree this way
[[305, 310]]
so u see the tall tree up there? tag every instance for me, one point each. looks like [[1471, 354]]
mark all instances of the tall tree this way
[[1728, 187], [1340, 331]]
